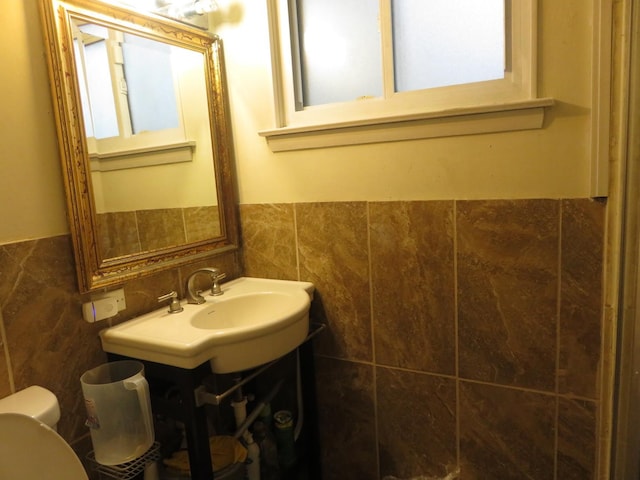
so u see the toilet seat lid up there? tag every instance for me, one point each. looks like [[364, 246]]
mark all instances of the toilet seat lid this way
[[30, 449]]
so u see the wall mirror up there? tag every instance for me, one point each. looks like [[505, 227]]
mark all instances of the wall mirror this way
[[144, 139]]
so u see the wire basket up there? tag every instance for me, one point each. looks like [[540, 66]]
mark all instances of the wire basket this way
[[128, 470]]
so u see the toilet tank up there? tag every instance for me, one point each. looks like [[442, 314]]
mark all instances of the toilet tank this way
[[34, 401]]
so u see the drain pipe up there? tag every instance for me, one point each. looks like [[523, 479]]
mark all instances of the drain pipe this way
[[242, 427], [239, 403]]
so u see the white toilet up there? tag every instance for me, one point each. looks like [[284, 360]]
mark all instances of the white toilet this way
[[30, 448]]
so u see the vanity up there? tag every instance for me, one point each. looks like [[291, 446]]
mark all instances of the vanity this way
[[184, 408], [245, 329]]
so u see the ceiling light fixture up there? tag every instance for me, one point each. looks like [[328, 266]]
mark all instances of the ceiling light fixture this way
[[185, 9]]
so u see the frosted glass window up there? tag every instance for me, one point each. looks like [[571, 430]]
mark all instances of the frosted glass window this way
[[340, 53], [375, 61], [447, 42], [151, 92]]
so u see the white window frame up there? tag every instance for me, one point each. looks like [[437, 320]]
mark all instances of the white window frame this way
[[128, 149], [499, 105]]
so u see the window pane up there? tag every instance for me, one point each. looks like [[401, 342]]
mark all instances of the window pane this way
[[151, 93], [84, 94], [98, 76], [340, 50], [447, 42]]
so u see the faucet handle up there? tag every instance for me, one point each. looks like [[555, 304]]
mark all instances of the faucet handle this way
[[215, 288], [174, 306]]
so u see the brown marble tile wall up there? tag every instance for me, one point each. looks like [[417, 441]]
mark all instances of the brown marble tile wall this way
[[43, 338], [268, 241], [347, 414], [581, 293], [118, 234], [160, 228], [506, 433], [416, 423], [201, 223], [124, 233], [461, 334], [508, 291], [576, 451], [332, 246], [412, 252], [47, 342]]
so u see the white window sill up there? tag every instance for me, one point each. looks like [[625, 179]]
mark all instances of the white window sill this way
[[142, 157], [524, 115]]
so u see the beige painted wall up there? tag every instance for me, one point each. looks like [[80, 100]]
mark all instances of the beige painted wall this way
[[551, 162], [31, 188]]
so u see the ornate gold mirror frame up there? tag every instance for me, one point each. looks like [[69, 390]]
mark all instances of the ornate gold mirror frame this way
[[95, 269]]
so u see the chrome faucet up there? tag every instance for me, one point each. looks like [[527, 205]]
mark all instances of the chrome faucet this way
[[174, 306], [194, 296]]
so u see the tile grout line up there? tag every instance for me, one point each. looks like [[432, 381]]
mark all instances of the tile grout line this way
[[295, 238], [5, 347], [456, 327], [505, 386], [135, 214], [184, 225], [373, 343], [557, 369]]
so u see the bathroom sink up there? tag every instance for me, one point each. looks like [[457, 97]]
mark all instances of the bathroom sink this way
[[252, 311], [254, 321]]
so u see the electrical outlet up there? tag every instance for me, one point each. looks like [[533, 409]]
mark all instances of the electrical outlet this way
[[104, 305]]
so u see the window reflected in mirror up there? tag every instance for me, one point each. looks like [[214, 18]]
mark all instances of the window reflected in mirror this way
[[144, 141]]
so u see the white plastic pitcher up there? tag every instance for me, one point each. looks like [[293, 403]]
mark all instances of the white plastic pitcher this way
[[116, 395]]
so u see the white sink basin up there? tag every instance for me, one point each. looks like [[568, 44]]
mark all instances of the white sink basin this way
[[255, 321]]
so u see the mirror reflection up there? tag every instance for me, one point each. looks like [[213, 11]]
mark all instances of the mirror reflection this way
[[144, 108]]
